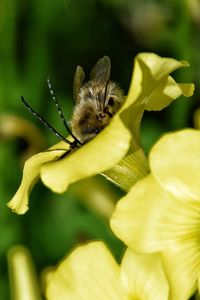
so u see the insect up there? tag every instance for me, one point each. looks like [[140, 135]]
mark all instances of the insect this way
[[96, 101]]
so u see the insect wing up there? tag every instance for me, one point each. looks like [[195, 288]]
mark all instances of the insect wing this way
[[78, 82], [101, 70]]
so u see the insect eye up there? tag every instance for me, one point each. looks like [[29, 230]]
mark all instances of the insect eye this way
[[90, 94], [111, 101]]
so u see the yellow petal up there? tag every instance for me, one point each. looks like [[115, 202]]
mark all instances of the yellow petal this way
[[136, 219], [150, 77], [151, 88], [150, 219], [182, 267], [167, 91], [143, 276], [101, 153], [31, 172], [89, 272], [175, 162]]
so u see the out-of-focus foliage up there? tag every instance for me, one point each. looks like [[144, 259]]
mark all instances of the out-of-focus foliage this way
[[50, 38]]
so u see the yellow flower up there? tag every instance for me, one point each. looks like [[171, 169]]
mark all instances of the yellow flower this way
[[161, 213], [116, 151], [90, 272], [22, 274]]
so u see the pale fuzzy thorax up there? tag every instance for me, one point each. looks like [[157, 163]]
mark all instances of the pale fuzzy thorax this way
[[96, 104]]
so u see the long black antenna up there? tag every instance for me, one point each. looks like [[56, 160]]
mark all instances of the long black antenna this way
[[60, 111], [41, 119]]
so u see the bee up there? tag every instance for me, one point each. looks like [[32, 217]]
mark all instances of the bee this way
[[96, 101]]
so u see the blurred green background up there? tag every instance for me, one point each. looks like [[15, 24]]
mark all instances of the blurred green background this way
[[50, 38]]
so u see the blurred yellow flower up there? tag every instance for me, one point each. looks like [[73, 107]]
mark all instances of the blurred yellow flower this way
[[12, 127], [161, 213], [23, 280], [116, 151], [90, 272]]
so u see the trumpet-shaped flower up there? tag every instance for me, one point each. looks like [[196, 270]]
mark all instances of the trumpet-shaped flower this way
[[116, 151], [161, 213], [90, 272]]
